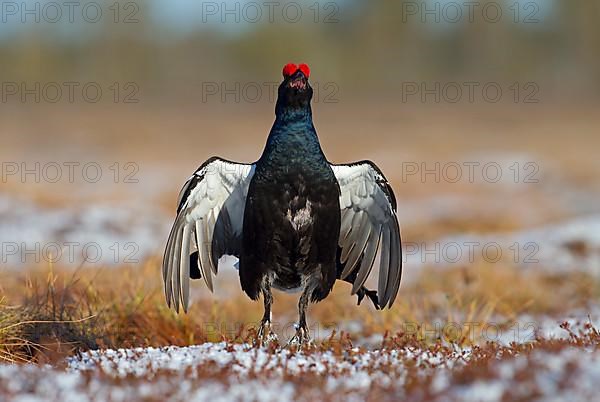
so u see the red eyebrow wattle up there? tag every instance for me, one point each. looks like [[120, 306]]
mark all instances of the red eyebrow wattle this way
[[305, 69], [289, 69]]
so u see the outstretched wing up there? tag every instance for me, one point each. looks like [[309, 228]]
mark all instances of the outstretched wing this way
[[208, 225], [368, 208]]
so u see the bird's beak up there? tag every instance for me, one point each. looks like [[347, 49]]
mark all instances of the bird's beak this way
[[298, 81]]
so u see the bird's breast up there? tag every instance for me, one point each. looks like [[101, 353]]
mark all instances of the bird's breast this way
[[300, 218]]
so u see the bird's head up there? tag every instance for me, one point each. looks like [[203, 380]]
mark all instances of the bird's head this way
[[295, 91]]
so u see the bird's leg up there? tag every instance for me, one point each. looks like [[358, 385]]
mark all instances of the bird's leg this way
[[265, 334], [302, 336]]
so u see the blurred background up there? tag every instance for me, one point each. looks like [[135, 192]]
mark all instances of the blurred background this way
[[483, 115]]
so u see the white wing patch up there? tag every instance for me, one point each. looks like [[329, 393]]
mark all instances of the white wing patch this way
[[209, 220], [369, 220]]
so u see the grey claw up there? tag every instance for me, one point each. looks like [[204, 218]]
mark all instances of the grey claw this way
[[301, 338], [265, 334]]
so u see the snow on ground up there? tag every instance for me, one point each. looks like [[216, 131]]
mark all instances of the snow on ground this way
[[93, 233], [246, 360], [564, 247], [568, 246], [498, 329], [240, 372], [109, 234], [571, 374], [118, 233], [217, 371]]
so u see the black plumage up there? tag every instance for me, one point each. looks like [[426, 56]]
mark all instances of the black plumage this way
[[295, 221]]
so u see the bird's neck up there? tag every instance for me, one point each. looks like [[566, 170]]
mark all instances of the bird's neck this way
[[292, 115], [292, 136]]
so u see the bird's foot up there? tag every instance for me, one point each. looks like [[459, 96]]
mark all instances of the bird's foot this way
[[265, 335], [301, 338], [371, 294]]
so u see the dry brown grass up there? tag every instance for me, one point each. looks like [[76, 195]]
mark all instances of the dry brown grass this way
[[47, 314]]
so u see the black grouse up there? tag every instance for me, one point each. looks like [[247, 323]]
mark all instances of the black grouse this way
[[295, 221]]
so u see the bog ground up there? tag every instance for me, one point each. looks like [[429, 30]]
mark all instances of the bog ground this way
[[499, 299]]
